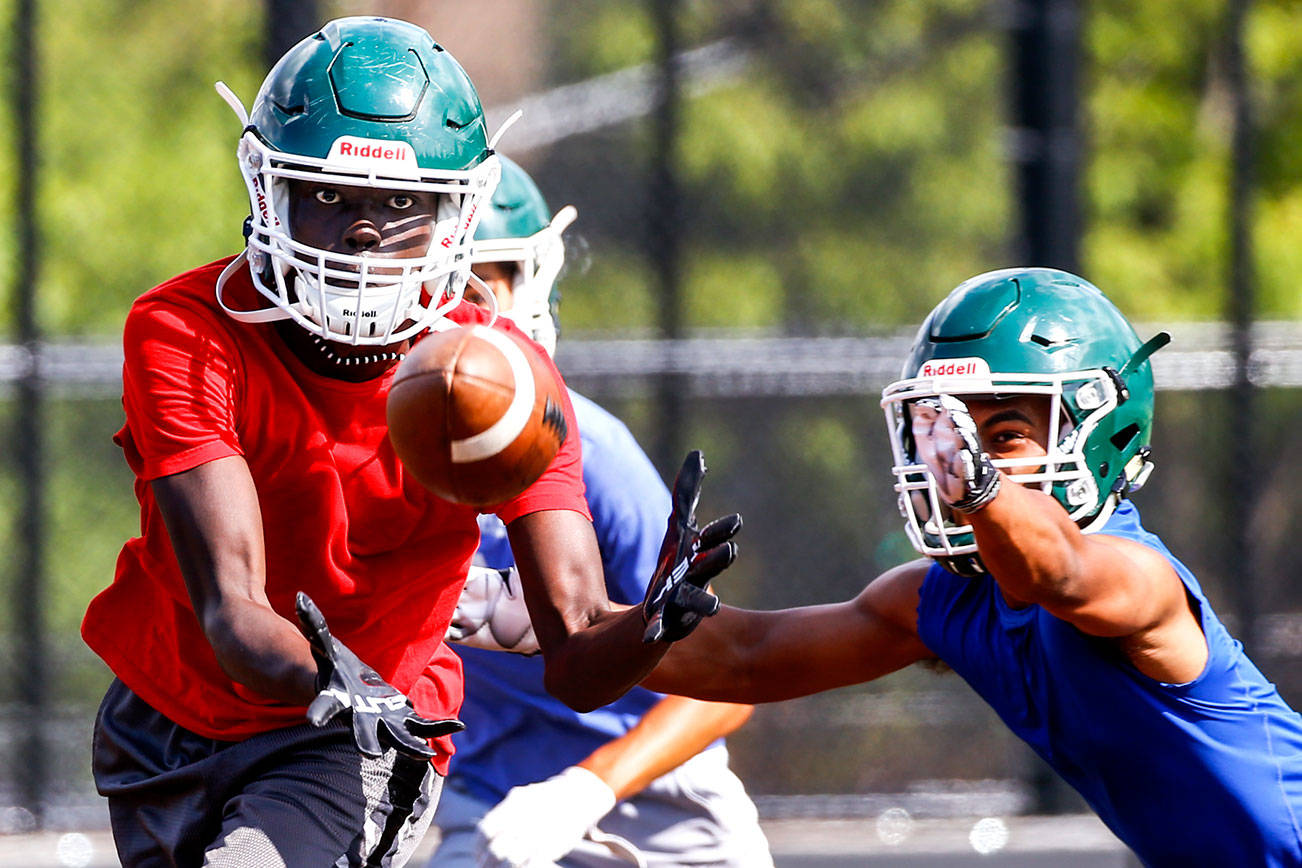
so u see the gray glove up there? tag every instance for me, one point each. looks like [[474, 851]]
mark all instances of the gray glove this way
[[946, 441]]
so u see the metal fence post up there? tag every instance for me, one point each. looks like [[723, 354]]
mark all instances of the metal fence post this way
[[288, 21], [1241, 475], [1044, 70], [664, 228], [32, 676]]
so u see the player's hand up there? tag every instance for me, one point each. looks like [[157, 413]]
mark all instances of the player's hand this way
[[677, 599], [381, 713], [537, 824], [946, 440], [491, 613]]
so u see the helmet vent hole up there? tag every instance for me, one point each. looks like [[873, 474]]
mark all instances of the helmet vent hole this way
[[1123, 438], [1103, 468]]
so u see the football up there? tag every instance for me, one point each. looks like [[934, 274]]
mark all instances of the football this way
[[475, 414]]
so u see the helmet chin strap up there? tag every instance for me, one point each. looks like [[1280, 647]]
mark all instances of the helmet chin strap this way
[[265, 314], [490, 297]]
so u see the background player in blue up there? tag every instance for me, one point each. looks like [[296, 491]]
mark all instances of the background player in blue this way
[[1019, 430], [644, 780]]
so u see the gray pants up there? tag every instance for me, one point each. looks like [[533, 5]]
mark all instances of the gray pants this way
[[299, 797], [698, 814]]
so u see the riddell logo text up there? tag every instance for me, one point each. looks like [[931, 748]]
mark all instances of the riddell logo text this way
[[465, 224], [373, 150], [954, 368]]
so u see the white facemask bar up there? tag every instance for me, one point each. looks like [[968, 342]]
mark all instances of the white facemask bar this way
[[358, 299], [1064, 463], [538, 260]]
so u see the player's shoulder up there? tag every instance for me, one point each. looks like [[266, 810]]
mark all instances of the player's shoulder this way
[[598, 425], [184, 301], [895, 594], [1125, 533], [198, 283], [192, 292]]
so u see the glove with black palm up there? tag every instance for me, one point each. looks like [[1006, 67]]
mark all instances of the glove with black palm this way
[[381, 712], [677, 599]]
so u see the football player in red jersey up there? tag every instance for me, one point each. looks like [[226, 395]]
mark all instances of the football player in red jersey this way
[[287, 565]]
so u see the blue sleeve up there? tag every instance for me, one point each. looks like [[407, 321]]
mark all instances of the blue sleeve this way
[[629, 502]]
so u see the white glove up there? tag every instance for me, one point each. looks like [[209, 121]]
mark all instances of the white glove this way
[[491, 614], [537, 824], [946, 440]]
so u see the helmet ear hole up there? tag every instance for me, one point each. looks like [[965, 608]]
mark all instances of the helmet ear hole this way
[[1123, 438]]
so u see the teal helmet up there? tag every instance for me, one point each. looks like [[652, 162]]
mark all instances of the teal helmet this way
[[366, 102], [1030, 331], [518, 229]]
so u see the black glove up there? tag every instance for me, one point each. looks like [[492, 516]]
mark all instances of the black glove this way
[[380, 710], [676, 599]]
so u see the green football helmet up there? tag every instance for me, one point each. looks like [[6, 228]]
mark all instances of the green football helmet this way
[[366, 102], [1029, 331], [517, 228]]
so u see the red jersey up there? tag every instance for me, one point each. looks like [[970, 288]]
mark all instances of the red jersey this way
[[384, 559]]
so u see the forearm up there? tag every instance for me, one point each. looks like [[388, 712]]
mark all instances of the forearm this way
[[671, 732], [1038, 555], [215, 526], [597, 664], [262, 651], [747, 656], [1029, 545]]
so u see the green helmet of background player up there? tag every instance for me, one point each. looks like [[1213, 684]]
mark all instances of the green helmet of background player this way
[[518, 229], [368, 102], [1030, 331]]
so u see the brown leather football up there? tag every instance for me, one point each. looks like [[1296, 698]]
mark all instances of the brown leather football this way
[[475, 414]]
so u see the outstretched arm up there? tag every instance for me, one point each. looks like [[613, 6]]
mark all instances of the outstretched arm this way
[[589, 651], [747, 656], [215, 525]]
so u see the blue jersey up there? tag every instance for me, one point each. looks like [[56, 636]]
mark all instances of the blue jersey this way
[[1207, 772], [516, 732]]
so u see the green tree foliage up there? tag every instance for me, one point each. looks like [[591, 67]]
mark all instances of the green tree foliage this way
[[856, 170], [1159, 122], [137, 173], [853, 171]]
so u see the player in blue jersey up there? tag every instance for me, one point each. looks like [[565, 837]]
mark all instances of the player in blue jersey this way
[[644, 780], [1019, 431]]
